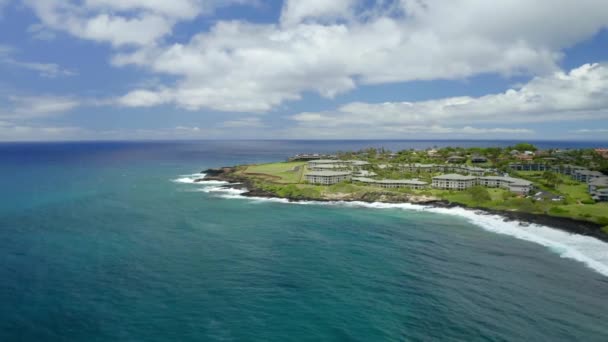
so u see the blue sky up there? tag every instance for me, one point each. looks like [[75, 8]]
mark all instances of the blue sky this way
[[206, 69]]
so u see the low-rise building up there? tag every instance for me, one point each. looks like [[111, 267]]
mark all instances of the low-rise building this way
[[601, 195], [310, 156], [327, 167], [585, 175], [314, 163], [459, 182], [327, 177], [479, 159], [358, 164], [364, 173], [456, 159], [597, 183], [393, 183], [530, 167], [454, 182]]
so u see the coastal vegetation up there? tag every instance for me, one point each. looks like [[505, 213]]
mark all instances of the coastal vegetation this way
[[554, 194]]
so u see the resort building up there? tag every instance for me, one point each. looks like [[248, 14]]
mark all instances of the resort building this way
[[585, 175], [517, 185], [393, 183], [327, 177], [472, 170], [318, 162], [327, 167], [454, 182], [310, 156], [530, 167], [479, 159], [598, 188], [598, 183], [456, 159], [601, 195], [358, 164], [460, 182], [334, 164], [364, 173]]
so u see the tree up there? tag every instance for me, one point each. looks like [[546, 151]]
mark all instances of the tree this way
[[552, 179], [479, 194], [521, 147]]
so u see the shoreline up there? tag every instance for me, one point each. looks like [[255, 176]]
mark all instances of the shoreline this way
[[565, 224]]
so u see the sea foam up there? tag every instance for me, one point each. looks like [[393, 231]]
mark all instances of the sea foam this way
[[192, 179]]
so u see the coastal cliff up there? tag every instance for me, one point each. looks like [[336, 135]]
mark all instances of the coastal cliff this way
[[253, 189]]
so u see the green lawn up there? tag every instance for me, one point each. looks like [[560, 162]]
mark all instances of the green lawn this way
[[279, 172], [591, 212], [576, 192]]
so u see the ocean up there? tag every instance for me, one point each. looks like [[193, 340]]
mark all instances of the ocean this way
[[112, 241]]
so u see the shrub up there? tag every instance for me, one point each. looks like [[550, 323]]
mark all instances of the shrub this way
[[479, 194], [558, 211], [588, 201], [603, 220]]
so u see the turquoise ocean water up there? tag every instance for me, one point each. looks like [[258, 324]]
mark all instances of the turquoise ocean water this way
[[110, 242]]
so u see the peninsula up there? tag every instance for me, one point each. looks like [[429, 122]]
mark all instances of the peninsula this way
[[566, 189]]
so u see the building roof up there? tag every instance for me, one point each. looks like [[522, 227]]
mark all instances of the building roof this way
[[328, 166], [510, 180], [474, 168], [358, 162], [390, 181], [365, 173], [328, 173], [453, 176], [589, 173], [599, 181], [326, 161]]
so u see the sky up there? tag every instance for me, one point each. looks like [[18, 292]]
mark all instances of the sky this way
[[314, 69]]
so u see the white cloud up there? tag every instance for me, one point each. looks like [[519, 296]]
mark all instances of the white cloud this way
[[50, 70], [252, 122], [27, 107], [120, 22], [332, 47], [19, 132], [581, 94], [40, 32], [297, 11], [3, 4], [591, 130]]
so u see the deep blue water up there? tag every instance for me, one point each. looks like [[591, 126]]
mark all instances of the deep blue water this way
[[98, 244]]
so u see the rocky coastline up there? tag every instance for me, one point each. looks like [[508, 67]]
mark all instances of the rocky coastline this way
[[570, 225]]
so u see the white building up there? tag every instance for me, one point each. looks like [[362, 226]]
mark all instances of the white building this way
[[393, 183], [517, 185], [318, 162], [454, 182], [459, 182], [327, 177]]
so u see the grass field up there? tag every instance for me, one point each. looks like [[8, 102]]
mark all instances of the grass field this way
[[278, 172]]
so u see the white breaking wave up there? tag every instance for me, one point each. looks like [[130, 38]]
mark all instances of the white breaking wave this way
[[224, 191], [189, 179], [588, 250]]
